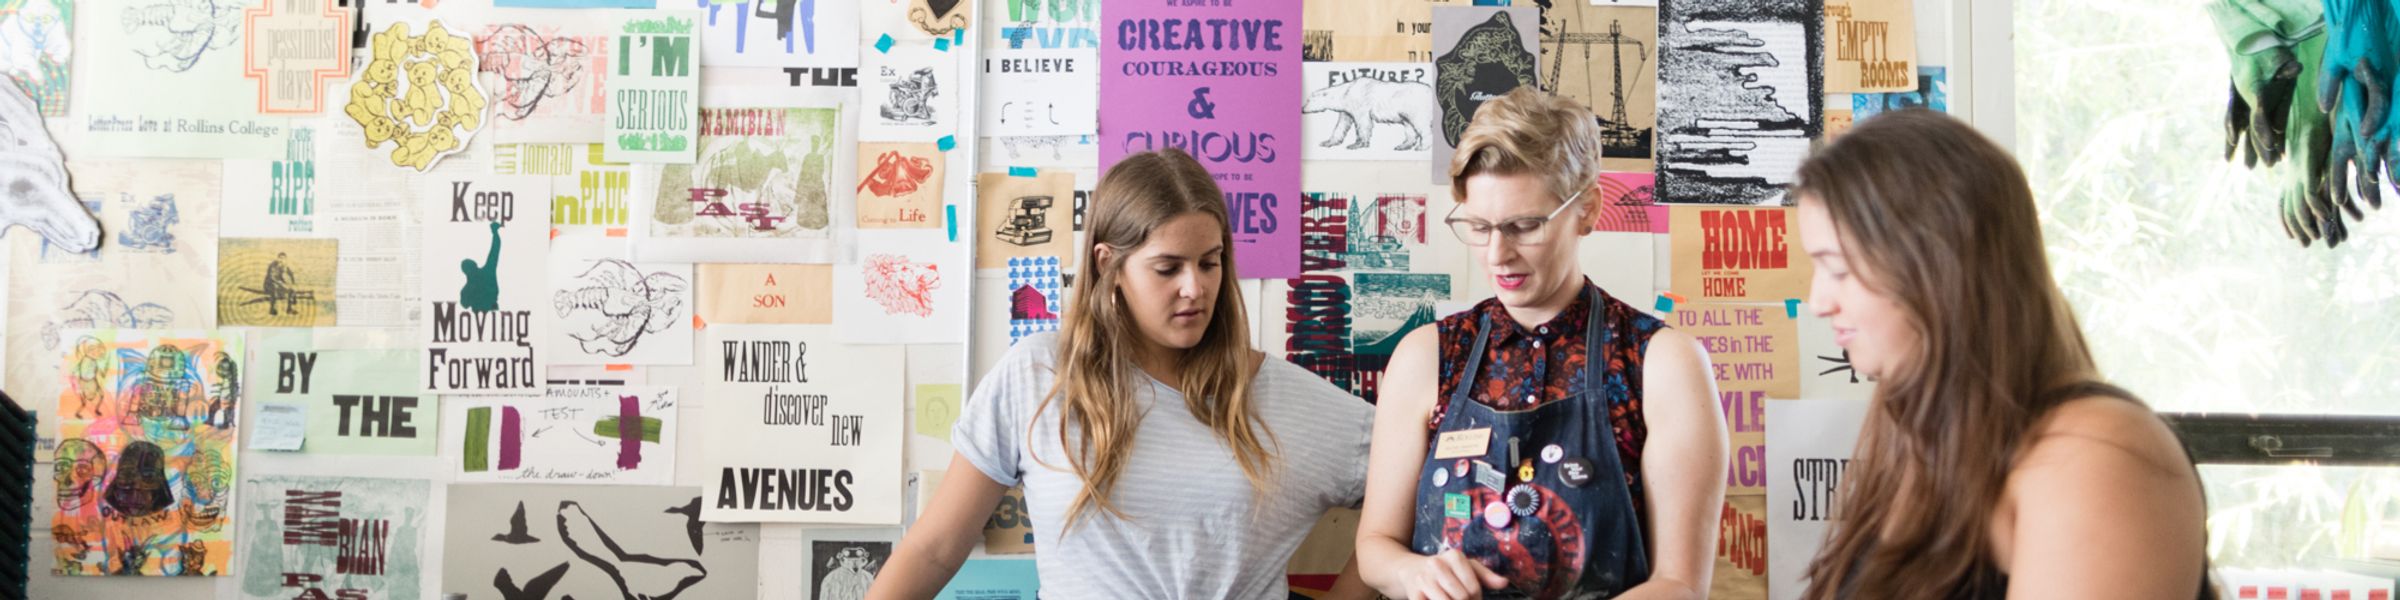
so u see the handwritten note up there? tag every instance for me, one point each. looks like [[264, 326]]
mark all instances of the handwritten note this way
[[281, 427]]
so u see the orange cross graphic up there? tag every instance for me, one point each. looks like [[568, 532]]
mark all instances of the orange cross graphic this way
[[292, 54]]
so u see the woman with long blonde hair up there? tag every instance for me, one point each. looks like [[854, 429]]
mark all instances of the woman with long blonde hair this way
[[1995, 462], [1161, 456]]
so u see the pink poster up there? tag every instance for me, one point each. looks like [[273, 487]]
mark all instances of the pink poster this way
[[1219, 79]]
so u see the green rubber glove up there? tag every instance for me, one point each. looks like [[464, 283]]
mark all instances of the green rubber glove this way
[[2275, 47], [2262, 38]]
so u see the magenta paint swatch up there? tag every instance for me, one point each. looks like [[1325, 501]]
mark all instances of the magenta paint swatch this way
[[512, 449], [629, 432]]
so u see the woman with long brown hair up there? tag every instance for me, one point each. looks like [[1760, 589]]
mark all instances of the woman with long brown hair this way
[[1161, 456], [1995, 462], [1551, 442]]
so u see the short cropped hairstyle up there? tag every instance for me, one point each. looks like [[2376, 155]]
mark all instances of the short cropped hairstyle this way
[[1530, 132]]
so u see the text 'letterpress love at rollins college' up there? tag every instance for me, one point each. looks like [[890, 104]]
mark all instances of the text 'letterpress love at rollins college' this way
[[824, 490]]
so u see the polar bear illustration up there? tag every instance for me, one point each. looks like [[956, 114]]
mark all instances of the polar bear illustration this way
[[1365, 102]]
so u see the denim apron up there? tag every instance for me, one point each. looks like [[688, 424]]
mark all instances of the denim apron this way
[[1545, 501]]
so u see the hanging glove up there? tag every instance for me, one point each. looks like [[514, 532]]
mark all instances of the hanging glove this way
[[2260, 37], [2354, 88], [2309, 197], [2274, 45]]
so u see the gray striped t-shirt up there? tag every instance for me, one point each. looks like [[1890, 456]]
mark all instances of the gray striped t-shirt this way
[[1192, 529]]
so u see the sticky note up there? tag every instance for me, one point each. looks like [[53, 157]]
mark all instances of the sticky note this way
[[958, 36], [1676, 296], [280, 427], [1023, 172], [942, 44], [884, 45], [937, 409], [946, 143], [952, 212], [1665, 304], [1791, 307]]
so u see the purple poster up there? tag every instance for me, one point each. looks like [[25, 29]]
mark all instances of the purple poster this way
[[1221, 80]]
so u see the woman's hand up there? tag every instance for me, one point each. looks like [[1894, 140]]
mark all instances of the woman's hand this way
[[1449, 576]]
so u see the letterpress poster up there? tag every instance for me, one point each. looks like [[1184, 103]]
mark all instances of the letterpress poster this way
[[801, 428], [1738, 254], [1221, 80], [486, 247], [333, 537], [654, 95], [354, 400]]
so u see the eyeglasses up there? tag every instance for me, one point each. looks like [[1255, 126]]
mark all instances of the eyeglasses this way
[[1524, 231]]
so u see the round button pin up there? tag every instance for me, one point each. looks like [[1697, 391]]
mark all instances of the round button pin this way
[[1522, 500], [1460, 469], [1441, 477], [1551, 453], [1495, 515], [1575, 472]]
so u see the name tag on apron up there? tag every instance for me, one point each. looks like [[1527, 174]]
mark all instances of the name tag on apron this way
[[1463, 443]]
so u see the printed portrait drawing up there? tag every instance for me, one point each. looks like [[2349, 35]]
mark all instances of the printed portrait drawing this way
[[615, 304], [845, 569], [1362, 104], [173, 35]]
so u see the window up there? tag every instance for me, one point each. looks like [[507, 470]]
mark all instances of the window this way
[[2178, 268]]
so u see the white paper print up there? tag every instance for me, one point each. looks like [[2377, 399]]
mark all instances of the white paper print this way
[[1367, 111], [570, 434], [801, 428], [486, 251], [611, 310], [1039, 93], [909, 287], [778, 33], [1808, 453], [773, 183], [910, 94]]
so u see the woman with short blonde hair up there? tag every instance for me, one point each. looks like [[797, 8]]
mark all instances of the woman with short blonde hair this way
[[1551, 442]]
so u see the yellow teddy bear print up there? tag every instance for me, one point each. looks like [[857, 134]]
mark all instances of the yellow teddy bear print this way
[[419, 93]]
